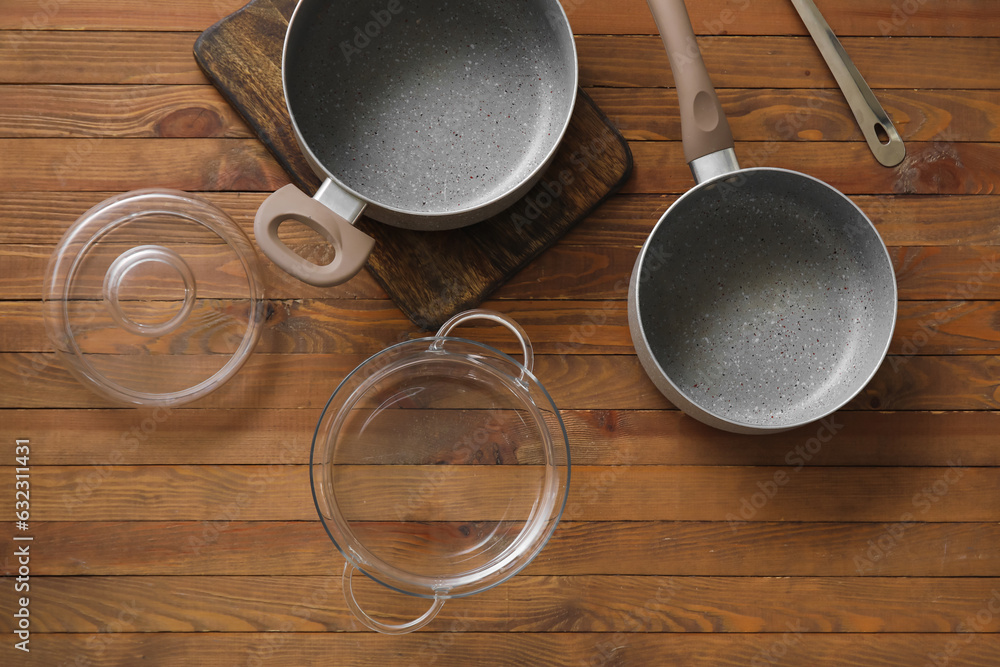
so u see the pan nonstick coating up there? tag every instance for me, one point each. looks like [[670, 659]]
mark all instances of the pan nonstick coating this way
[[766, 298], [433, 106]]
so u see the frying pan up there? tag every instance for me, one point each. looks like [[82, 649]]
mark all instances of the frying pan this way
[[763, 299], [423, 114]]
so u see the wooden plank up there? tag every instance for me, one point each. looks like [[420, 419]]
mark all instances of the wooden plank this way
[[293, 326], [220, 164], [42, 111], [808, 114], [98, 57], [601, 274], [794, 62], [935, 270], [41, 217], [902, 220], [947, 328], [583, 327], [626, 61], [296, 326], [685, 548], [772, 17], [168, 111], [933, 220], [26, 266], [96, 439], [591, 272], [522, 604], [450, 645], [128, 164], [598, 493], [39, 380], [267, 381], [768, 549], [159, 15], [909, 381], [971, 18], [928, 168], [118, 15], [922, 18]]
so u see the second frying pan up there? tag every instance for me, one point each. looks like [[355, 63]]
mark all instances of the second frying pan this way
[[763, 299]]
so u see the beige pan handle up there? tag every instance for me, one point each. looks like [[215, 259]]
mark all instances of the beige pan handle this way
[[704, 128], [289, 203]]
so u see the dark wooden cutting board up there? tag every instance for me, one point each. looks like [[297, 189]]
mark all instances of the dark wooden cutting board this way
[[429, 275]]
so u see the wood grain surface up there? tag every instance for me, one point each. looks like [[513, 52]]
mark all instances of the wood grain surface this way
[[189, 537]]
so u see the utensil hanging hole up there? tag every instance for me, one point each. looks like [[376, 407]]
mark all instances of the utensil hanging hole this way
[[883, 136], [306, 242]]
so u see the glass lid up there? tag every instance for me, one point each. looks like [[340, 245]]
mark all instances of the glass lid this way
[[154, 297]]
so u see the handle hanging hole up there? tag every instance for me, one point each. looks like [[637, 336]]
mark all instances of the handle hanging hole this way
[[883, 136], [306, 242]]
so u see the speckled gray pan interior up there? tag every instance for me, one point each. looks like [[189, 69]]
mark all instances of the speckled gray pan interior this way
[[766, 299], [431, 106]]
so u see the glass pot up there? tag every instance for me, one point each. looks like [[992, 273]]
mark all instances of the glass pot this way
[[440, 468]]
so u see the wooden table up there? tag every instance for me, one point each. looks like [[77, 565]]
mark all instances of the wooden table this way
[[190, 538]]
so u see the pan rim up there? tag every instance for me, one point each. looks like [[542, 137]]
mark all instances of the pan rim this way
[[675, 393], [468, 212]]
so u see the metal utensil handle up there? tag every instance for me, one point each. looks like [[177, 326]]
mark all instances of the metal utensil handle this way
[[493, 316], [869, 113], [379, 626]]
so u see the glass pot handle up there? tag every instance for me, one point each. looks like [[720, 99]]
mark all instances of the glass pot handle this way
[[493, 316], [379, 626]]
